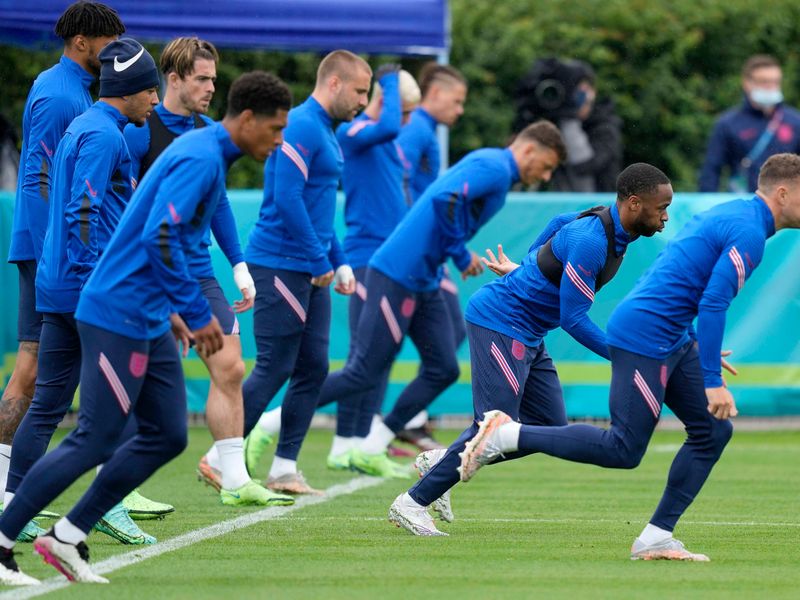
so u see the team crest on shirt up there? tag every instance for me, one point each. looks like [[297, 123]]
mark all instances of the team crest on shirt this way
[[138, 364], [518, 350], [407, 307], [664, 376]]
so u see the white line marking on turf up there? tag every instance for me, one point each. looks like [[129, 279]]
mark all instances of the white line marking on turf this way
[[556, 521], [187, 539]]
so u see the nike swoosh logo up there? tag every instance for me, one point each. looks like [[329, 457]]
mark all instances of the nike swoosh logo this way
[[237, 496], [91, 191], [119, 67]]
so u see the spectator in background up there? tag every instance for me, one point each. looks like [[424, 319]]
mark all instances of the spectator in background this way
[[563, 91], [746, 136]]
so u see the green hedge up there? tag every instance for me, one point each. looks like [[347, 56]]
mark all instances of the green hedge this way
[[670, 66]]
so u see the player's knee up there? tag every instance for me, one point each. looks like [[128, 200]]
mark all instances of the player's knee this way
[[721, 432], [449, 372], [231, 373], [629, 460], [174, 442], [318, 370], [628, 455]]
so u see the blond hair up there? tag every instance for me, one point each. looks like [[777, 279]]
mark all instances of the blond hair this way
[[341, 63], [180, 54]]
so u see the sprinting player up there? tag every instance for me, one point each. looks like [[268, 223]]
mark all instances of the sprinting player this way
[[294, 256], [403, 283], [572, 258], [189, 66], [58, 95], [375, 202], [444, 91], [130, 359], [657, 358], [91, 186]]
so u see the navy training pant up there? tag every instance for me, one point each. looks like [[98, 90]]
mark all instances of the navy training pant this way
[[120, 377], [508, 376], [392, 311], [291, 322], [639, 387]]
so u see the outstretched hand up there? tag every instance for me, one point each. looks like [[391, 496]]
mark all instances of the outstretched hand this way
[[500, 264]]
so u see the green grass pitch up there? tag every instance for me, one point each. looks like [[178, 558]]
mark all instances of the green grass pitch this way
[[537, 527]]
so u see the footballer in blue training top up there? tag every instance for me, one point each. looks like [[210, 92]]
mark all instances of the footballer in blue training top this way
[[403, 283], [665, 341], [554, 286]]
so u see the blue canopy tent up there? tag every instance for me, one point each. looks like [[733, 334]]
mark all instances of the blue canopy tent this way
[[375, 26], [407, 27]]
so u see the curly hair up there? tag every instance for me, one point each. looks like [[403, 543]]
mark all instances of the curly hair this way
[[90, 19], [259, 91], [640, 179]]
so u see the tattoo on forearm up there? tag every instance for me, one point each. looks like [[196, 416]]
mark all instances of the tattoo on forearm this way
[[31, 348], [12, 409]]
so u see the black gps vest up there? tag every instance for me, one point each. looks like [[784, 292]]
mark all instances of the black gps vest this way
[[553, 269], [160, 138]]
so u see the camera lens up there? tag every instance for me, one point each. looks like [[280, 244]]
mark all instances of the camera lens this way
[[550, 94]]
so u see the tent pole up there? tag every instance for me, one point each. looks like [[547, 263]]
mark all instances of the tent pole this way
[[442, 132]]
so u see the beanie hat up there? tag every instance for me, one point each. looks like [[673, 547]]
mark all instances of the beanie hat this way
[[126, 68]]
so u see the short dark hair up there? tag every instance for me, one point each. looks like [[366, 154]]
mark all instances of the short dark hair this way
[[432, 72], [778, 168], [639, 179], [263, 93], [759, 61], [91, 19], [341, 63], [180, 54], [545, 134]]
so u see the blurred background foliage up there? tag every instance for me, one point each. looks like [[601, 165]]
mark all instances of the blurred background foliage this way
[[670, 66]]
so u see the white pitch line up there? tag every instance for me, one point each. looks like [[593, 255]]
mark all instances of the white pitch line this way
[[187, 539], [570, 520]]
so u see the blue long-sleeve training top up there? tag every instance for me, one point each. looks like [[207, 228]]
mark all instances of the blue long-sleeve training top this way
[[372, 177], [143, 275], [91, 188], [58, 95], [294, 230], [697, 275], [223, 224], [445, 218], [421, 149], [525, 305]]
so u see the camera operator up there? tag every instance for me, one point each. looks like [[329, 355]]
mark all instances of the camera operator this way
[[563, 91]]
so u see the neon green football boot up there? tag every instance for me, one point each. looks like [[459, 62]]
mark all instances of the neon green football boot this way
[[255, 445], [378, 465], [340, 462], [118, 524], [253, 494], [29, 532], [142, 509]]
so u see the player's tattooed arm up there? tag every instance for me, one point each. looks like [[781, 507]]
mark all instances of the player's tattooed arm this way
[[31, 348]]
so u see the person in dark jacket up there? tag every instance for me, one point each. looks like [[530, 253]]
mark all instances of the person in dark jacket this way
[[744, 137], [563, 91]]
